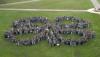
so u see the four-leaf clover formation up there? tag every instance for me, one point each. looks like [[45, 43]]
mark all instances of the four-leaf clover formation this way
[[56, 33]]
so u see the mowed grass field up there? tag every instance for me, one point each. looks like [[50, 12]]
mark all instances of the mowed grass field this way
[[99, 1], [42, 49], [53, 4], [10, 1], [7, 49]]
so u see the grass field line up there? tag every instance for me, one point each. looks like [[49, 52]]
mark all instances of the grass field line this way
[[19, 2], [50, 10], [9, 9]]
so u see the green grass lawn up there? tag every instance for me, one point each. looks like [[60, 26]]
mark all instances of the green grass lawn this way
[[99, 1], [10, 1], [25, 36], [54, 4], [73, 36], [7, 49]]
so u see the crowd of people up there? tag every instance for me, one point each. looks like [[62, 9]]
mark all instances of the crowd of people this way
[[52, 32], [75, 22]]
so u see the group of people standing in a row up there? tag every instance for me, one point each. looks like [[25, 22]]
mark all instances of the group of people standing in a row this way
[[52, 32]]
